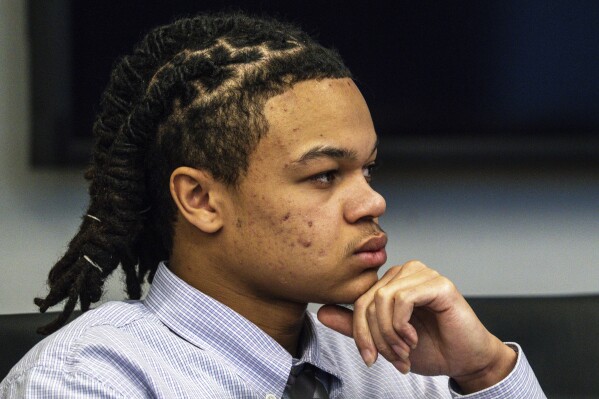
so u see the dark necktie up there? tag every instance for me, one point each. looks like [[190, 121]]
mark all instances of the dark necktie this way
[[303, 384]]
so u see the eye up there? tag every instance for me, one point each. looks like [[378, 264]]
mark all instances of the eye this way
[[325, 178], [368, 170]]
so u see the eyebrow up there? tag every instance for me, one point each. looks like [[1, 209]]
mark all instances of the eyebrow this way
[[325, 151]]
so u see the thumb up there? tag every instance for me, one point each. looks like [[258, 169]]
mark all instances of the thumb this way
[[338, 318]]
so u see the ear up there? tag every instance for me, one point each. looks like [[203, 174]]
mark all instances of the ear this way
[[197, 194]]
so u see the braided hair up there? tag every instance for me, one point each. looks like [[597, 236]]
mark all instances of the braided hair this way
[[192, 93]]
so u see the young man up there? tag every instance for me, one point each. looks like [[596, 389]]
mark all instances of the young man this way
[[240, 151]]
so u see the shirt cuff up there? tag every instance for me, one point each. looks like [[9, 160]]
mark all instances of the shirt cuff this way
[[521, 382]]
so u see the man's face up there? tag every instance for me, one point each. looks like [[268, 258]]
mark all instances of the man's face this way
[[302, 225]]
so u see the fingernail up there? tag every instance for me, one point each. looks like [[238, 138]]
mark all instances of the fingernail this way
[[400, 352], [367, 356], [401, 367]]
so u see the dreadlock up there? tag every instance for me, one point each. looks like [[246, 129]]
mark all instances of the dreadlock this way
[[192, 93]]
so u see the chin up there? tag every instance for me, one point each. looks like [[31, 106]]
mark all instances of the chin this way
[[349, 292]]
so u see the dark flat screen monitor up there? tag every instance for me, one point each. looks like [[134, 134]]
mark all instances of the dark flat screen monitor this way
[[470, 80]]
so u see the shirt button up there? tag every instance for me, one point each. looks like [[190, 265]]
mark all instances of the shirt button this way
[[270, 396]]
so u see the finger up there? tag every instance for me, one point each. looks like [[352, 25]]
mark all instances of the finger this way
[[403, 365], [363, 336], [338, 318], [436, 294], [360, 330], [383, 346], [400, 362], [396, 273], [384, 305], [398, 331]]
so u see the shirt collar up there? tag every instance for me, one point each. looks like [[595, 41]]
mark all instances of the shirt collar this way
[[212, 326], [312, 351], [314, 354]]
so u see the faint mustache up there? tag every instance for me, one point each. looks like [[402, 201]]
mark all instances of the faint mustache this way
[[369, 230]]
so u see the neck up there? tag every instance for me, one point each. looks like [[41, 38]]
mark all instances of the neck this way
[[281, 320]]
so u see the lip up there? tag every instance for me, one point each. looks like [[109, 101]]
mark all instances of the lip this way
[[372, 252], [373, 244]]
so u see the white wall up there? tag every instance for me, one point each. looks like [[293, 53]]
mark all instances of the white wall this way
[[535, 233], [39, 209], [491, 234]]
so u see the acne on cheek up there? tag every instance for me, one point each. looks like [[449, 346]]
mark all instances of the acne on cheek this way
[[304, 242], [290, 232], [307, 242]]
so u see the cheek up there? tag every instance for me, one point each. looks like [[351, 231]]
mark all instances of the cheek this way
[[289, 236], [309, 235], [303, 243]]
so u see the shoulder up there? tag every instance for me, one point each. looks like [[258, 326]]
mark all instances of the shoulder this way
[[86, 347]]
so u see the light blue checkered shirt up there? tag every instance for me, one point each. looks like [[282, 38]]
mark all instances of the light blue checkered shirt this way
[[180, 343]]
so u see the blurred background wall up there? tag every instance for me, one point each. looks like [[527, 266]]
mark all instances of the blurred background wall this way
[[508, 231]]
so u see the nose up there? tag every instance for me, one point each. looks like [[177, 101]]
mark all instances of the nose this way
[[364, 203]]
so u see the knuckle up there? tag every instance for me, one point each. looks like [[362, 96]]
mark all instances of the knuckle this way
[[398, 326], [447, 285], [381, 293], [392, 271], [404, 329], [361, 303], [371, 310], [434, 273], [415, 263], [402, 297]]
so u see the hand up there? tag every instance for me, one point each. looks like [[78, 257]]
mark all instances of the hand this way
[[416, 319]]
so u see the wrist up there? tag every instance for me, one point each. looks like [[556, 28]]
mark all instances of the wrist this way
[[498, 369]]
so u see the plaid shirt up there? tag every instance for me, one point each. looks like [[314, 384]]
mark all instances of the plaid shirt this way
[[180, 343]]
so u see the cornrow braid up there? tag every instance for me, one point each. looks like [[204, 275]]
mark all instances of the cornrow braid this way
[[192, 93]]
